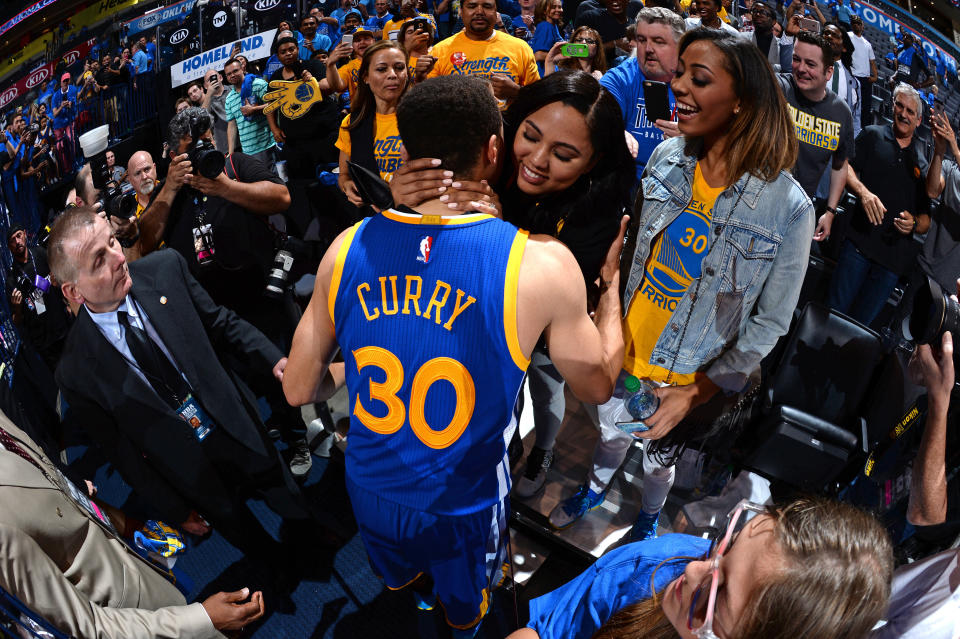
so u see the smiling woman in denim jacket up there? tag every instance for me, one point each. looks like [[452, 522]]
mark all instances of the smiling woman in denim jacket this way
[[721, 247]]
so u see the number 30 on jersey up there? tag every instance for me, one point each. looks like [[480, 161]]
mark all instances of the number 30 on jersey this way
[[434, 370]]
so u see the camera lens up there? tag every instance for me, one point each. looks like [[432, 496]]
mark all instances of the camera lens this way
[[934, 313]]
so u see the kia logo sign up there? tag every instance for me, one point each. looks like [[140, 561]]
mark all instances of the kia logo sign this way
[[37, 77], [219, 18], [8, 96], [265, 5], [70, 57], [148, 21], [179, 36]]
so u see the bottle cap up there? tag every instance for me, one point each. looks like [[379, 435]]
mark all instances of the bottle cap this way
[[632, 384]]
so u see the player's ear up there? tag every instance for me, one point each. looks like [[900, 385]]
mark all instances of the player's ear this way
[[492, 150]]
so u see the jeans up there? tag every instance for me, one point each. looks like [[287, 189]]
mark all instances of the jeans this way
[[546, 395], [860, 287], [612, 449]]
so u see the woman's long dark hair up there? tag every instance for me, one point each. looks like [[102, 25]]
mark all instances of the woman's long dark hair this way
[[605, 189], [364, 104]]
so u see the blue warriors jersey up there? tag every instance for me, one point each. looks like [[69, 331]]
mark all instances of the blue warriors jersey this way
[[425, 314]]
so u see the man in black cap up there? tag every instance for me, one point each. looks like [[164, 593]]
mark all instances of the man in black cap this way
[[778, 50]]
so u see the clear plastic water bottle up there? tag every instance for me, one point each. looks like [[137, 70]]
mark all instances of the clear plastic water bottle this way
[[640, 402]]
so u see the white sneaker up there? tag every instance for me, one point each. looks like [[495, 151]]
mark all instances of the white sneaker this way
[[535, 475]]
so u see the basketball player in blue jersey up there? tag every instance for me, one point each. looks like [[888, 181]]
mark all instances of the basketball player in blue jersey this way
[[436, 317]]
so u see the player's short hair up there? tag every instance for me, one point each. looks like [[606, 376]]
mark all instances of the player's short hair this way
[[467, 107]]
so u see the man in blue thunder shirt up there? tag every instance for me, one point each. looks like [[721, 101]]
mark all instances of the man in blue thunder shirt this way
[[658, 34]]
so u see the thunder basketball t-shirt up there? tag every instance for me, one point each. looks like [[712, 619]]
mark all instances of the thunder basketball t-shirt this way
[[673, 264], [502, 54], [386, 141]]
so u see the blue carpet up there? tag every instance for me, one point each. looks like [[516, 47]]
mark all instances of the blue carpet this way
[[348, 603]]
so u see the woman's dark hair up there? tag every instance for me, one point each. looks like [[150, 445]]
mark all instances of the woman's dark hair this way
[[364, 105], [605, 189], [766, 142]]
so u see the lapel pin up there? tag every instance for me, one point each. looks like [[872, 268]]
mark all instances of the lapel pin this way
[[163, 299]]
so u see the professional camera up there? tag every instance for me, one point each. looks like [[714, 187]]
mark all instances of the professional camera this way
[[934, 313], [280, 273], [114, 200], [292, 250], [204, 157]]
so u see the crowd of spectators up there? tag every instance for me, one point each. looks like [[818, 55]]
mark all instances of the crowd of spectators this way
[[641, 189]]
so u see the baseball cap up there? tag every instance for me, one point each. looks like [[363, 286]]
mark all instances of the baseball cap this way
[[65, 76], [362, 29]]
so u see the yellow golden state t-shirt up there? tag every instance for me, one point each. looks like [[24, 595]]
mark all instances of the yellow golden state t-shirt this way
[[673, 264], [391, 30], [386, 139], [350, 74], [501, 54]]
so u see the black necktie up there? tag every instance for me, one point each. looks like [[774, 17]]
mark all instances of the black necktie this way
[[156, 367], [11, 444]]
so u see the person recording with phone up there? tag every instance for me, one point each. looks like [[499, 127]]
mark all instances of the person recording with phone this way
[[215, 102], [658, 33], [588, 56], [416, 37], [64, 104]]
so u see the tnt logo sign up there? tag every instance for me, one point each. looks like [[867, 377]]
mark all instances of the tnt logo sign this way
[[219, 19], [265, 5], [8, 96], [37, 77], [426, 246], [71, 57], [179, 36]]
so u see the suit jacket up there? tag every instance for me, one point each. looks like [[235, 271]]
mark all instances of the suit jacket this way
[[781, 52], [74, 571], [154, 450]]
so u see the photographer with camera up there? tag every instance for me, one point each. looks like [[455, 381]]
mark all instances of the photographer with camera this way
[[95, 187], [36, 304], [213, 211]]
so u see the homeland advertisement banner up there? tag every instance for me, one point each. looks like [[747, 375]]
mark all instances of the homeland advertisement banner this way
[[37, 78], [159, 16], [254, 47], [888, 24]]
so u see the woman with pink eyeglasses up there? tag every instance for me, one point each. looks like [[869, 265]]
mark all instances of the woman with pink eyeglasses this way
[[810, 568]]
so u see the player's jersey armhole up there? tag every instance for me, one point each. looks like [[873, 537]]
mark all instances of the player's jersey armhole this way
[[510, 287], [338, 270]]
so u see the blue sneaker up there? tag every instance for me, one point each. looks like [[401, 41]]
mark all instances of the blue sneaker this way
[[573, 508], [425, 601], [645, 527]]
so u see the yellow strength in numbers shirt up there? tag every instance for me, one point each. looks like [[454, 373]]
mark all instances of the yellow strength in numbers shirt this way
[[673, 264], [386, 140], [501, 54]]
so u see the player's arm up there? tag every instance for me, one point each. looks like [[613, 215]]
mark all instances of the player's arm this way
[[588, 353], [309, 376]]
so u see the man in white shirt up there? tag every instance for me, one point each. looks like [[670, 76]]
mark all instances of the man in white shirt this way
[[707, 17], [864, 67]]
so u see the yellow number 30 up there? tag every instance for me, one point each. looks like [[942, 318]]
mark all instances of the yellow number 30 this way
[[436, 369]]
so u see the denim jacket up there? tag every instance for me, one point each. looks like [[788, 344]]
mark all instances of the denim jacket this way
[[751, 276]]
